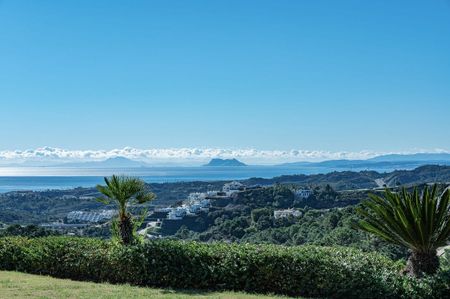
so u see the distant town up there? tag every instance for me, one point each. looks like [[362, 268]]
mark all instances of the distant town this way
[[170, 218]]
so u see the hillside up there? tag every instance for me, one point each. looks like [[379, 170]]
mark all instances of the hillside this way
[[45, 206], [344, 180], [420, 175]]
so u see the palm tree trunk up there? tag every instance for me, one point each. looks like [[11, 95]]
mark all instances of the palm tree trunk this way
[[420, 263], [126, 228]]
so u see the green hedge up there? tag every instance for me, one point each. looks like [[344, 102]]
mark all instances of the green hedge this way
[[332, 272]]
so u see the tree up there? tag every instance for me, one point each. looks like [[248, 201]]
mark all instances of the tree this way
[[123, 191], [418, 221], [31, 231], [258, 213]]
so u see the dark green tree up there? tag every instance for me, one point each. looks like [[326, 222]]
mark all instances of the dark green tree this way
[[123, 191], [258, 213], [417, 220]]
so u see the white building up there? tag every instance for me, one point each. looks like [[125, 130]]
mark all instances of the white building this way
[[196, 196], [177, 213], [195, 206], [83, 216], [168, 209], [215, 193], [153, 224], [86, 197], [303, 193], [286, 213], [233, 187]]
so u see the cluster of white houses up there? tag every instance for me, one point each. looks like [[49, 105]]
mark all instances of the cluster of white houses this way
[[233, 187], [93, 217], [188, 208], [195, 203], [201, 201], [300, 193], [82, 197], [303, 193], [277, 214]]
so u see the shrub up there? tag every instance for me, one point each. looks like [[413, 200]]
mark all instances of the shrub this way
[[332, 272]]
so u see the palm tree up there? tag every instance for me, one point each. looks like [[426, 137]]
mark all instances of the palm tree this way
[[124, 190], [418, 221]]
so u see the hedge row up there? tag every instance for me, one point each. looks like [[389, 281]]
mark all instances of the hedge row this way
[[332, 272]]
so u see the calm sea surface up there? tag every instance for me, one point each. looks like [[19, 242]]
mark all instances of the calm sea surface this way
[[43, 178]]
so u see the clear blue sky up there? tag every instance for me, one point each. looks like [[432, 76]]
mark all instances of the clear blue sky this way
[[326, 75]]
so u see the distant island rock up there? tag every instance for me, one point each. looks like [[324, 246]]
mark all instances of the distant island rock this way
[[225, 162]]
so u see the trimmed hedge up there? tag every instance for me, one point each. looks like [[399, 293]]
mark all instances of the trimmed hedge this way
[[332, 272]]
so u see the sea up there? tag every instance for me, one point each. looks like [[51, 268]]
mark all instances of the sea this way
[[48, 178]]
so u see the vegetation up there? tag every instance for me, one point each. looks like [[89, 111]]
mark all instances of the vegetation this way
[[420, 222], [51, 205], [346, 180], [124, 190], [31, 231], [20, 285], [398, 220], [241, 223], [309, 271]]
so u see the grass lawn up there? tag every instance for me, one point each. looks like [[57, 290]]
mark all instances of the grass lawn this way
[[20, 285]]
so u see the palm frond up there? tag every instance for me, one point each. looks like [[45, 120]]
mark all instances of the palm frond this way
[[124, 189], [417, 220]]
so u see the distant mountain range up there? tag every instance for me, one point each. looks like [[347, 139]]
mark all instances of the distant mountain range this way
[[116, 162], [394, 161], [379, 163], [225, 162], [122, 162], [437, 157]]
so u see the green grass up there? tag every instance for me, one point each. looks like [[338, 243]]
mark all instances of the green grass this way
[[20, 285]]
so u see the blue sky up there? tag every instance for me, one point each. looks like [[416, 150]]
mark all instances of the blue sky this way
[[314, 75]]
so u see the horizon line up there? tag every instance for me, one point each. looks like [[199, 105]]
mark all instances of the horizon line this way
[[195, 155]]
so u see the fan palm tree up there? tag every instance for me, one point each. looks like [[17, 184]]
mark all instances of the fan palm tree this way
[[417, 220], [124, 190]]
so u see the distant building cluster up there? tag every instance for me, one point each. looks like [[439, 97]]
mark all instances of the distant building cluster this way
[[286, 213], [83, 197], [303, 193], [199, 201], [94, 217], [233, 187], [63, 226], [191, 207], [23, 193]]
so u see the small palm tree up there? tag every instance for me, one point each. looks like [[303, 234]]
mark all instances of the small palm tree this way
[[418, 221], [124, 190]]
